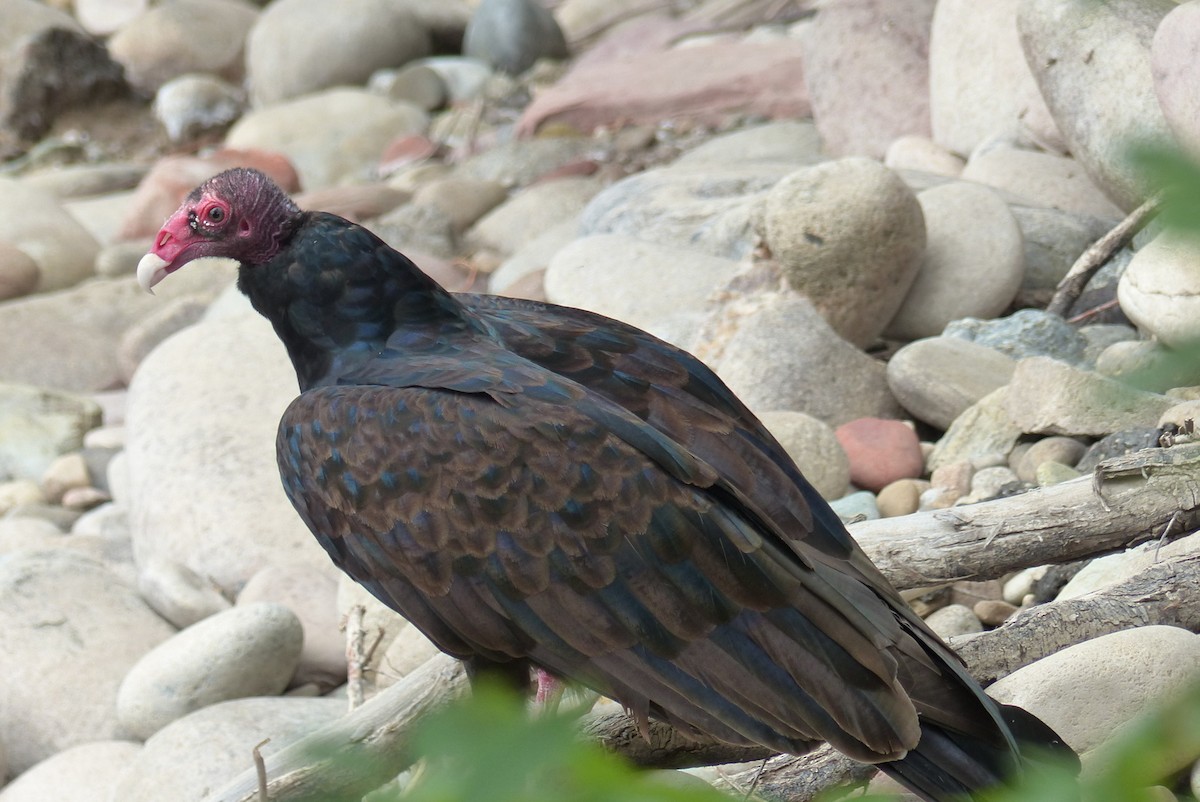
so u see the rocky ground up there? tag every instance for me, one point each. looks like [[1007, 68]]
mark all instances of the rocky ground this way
[[855, 211]]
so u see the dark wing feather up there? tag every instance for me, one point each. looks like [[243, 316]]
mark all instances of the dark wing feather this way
[[595, 546]]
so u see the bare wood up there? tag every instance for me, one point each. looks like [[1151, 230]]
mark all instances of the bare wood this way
[[355, 659], [1098, 254], [662, 747], [359, 752], [799, 778], [1134, 500]]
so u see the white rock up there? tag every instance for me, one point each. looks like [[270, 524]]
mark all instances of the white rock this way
[[84, 773], [783, 141], [979, 82], [1057, 182], [192, 104], [533, 256], [849, 235], [531, 211], [1176, 73], [331, 137], [406, 652], [249, 650], [1160, 290], [923, 154], [1088, 692], [189, 759], [1021, 584], [204, 485], [69, 632], [178, 593], [646, 284], [973, 265], [32, 219], [1092, 64]]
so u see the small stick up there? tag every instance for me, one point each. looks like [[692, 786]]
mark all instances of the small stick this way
[[356, 658], [260, 768]]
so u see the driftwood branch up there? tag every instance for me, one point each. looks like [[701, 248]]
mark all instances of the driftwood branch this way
[[360, 751], [1098, 254], [1129, 501]]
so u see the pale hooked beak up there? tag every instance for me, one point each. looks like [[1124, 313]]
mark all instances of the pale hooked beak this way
[[151, 270]]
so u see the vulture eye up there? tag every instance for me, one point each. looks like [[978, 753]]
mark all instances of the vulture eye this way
[[216, 214]]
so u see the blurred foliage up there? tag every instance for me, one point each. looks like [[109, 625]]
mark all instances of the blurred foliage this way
[[490, 749], [1178, 175]]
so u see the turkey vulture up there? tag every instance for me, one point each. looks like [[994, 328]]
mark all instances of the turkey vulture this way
[[534, 485]]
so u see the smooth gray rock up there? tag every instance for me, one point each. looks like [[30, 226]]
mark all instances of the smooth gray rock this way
[[83, 773], [533, 256], [299, 47], [311, 594], [1051, 397], [331, 137], [938, 378], [1092, 63], [191, 758], [32, 219], [510, 35], [703, 207], [248, 650], [195, 104], [527, 213], [812, 445], [1054, 240], [182, 37], [954, 619], [983, 430], [856, 507], [973, 265], [1160, 290], [1045, 179], [779, 142], [38, 425], [183, 506], [70, 629], [177, 593], [979, 83], [1025, 333], [1090, 691], [1063, 450], [850, 235], [777, 353], [655, 287]]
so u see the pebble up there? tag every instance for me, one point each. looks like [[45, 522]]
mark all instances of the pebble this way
[[901, 497], [974, 261], [993, 612], [947, 484], [880, 451], [510, 35], [954, 619], [311, 594], [775, 352], [247, 650], [300, 47], [938, 378], [1101, 336], [859, 506], [1054, 240], [520, 162], [533, 257], [178, 38], [1118, 444], [813, 446], [1063, 450], [83, 773], [415, 83], [987, 483], [462, 78], [70, 629], [850, 235], [38, 425], [201, 752], [1050, 397], [19, 273], [1087, 692], [794, 142], [67, 472], [33, 221], [178, 593], [1020, 585], [1092, 64], [922, 154], [867, 73], [1160, 291], [195, 104]]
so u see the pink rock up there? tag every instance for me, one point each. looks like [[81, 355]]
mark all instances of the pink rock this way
[[702, 83], [880, 451], [172, 178], [867, 70]]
